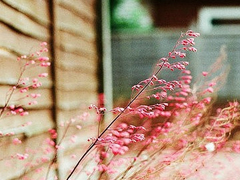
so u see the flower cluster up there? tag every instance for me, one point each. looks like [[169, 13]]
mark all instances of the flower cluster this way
[[166, 123], [19, 95], [22, 96], [166, 126]]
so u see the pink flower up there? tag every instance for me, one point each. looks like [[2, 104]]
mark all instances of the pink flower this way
[[22, 156], [36, 85], [204, 73], [191, 33], [32, 103], [16, 141], [23, 113], [210, 89], [43, 44], [137, 137], [23, 90], [43, 58], [43, 75], [33, 95], [192, 49]]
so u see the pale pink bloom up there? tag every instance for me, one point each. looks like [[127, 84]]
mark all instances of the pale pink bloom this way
[[45, 64], [212, 84], [38, 170], [184, 42], [204, 73], [210, 89], [50, 142], [43, 58], [32, 103], [44, 159], [43, 44], [192, 49], [24, 113], [207, 100], [79, 127], [12, 106], [186, 71], [34, 80], [73, 138], [164, 59], [36, 85], [23, 90], [188, 77], [33, 95], [182, 55], [16, 141], [43, 75], [22, 156], [32, 62], [73, 156]]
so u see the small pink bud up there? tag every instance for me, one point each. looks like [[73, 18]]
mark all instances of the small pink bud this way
[[207, 100], [35, 95], [79, 127], [182, 55], [36, 85], [12, 106], [164, 59], [23, 113], [43, 75], [192, 49], [43, 58], [35, 80], [210, 89], [73, 156], [32, 62], [32, 103], [204, 73], [212, 84], [186, 71], [23, 90], [188, 77], [16, 141], [184, 42], [43, 43], [45, 64]]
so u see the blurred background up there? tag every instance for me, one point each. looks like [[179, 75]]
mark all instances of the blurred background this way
[[145, 30], [98, 48]]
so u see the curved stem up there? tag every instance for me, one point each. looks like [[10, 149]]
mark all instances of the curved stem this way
[[115, 119], [126, 107]]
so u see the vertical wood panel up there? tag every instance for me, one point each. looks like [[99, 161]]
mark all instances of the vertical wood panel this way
[[76, 70], [23, 26], [69, 28]]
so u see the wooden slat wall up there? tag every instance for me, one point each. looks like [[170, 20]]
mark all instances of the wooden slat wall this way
[[72, 82], [76, 67], [23, 25]]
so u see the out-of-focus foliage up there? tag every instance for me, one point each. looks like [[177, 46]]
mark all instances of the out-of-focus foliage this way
[[129, 15]]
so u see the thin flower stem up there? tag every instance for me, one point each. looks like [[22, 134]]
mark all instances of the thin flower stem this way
[[12, 91], [124, 109], [114, 120]]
